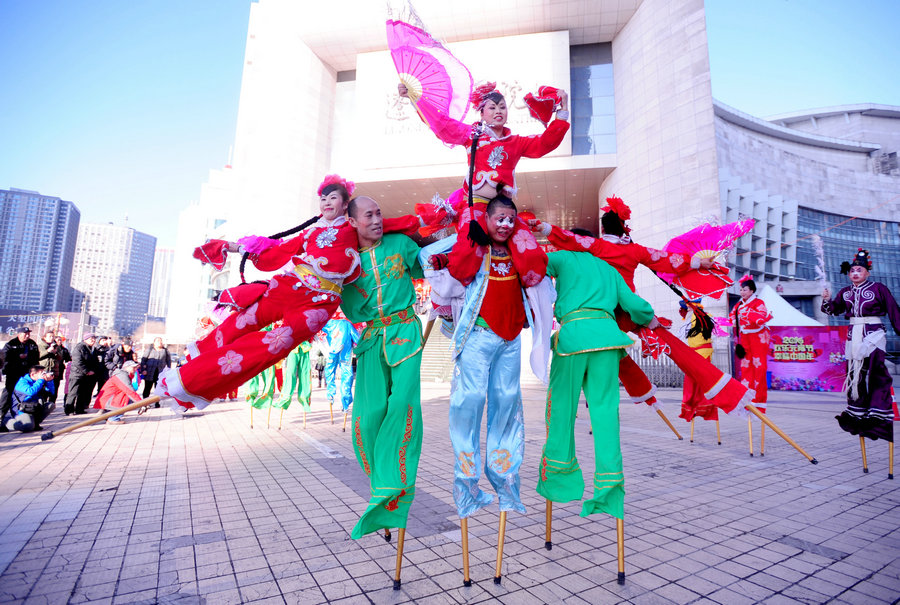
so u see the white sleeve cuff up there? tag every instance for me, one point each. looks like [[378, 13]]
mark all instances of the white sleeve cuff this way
[[695, 262], [545, 228]]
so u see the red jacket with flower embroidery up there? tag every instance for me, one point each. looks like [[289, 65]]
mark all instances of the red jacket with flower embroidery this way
[[328, 248], [623, 254], [750, 316], [496, 156]]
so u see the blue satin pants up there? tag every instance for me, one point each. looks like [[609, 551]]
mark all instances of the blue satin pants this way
[[342, 361], [487, 371]]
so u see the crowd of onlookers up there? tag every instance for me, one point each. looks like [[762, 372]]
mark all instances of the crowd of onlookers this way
[[38, 372]]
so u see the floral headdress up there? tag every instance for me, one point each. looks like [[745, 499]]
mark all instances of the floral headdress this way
[[483, 93], [746, 278], [862, 259], [618, 207], [335, 179]]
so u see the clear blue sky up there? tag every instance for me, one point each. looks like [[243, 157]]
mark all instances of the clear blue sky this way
[[123, 106]]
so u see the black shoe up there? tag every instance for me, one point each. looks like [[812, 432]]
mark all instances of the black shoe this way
[[38, 427], [68, 409], [3, 428], [156, 405], [81, 411]]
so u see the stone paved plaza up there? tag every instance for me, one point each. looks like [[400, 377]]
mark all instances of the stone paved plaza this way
[[206, 510]]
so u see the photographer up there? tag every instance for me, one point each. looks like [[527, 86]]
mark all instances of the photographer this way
[[19, 354], [50, 357], [29, 401]]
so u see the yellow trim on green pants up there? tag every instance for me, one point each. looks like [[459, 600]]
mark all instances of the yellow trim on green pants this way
[[560, 478]]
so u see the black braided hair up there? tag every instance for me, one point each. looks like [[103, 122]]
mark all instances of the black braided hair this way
[[290, 231]]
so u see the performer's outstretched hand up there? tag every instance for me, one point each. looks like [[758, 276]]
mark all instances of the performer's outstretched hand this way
[[826, 294], [706, 263], [402, 90], [439, 261]]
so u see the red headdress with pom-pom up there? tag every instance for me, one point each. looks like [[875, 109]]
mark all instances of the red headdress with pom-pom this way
[[615, 204], [480, 95], [745, 278], [335, 179]]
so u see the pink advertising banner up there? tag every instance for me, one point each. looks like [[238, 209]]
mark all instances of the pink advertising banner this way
[[807, 358]]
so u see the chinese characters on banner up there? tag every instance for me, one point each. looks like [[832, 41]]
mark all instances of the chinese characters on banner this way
[[809, 358]]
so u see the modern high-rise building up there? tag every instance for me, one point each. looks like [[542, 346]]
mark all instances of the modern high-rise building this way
[[319, 95], [161, 284], [37, 247], [111, 275]]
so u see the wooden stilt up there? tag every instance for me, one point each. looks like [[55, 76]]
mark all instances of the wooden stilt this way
[[280, 418], [752, 409], [99, 417], [862, 448], [762, 439], [718, 432], [387, 534], [890, 460], [401, 536], [331, 411], [750, 434], [251, 416], [501, 536], [464, 529], [548, 543], [666, 420], [620, 550], [344, 429], [692, 429], [428, 328], [269, 417]]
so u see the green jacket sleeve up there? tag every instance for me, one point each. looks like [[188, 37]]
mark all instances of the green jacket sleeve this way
[[639, 309]]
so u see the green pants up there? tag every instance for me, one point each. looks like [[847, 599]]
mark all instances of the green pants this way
[[261, 389], [387, 436], [295, 380], [560, 475]]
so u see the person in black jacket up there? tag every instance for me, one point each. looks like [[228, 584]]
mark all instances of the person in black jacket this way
[[20, 354], [100, 350], [117, 356], [81, 376], [155, 360]]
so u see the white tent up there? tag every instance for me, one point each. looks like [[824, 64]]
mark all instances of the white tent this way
[[783, 314]]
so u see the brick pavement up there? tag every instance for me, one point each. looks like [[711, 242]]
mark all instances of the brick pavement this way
[[206, 510]]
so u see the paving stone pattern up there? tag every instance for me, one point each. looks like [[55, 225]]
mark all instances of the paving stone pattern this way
[[206, 510]]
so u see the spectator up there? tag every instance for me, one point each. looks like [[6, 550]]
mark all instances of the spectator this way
[[19, 354], [116, 358], [320, 367], [155, 360], [29, 401], [100, 351], [81, 379], [118, 392], [66, 357], [51, 359]]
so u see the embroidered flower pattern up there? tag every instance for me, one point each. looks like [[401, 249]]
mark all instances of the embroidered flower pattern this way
[[584, 241], [326, 237], [496, 156], [230, 362], [677, 260], [246, 317], [501, 268], [657, 254], [279, 339], [523, 240], [315, 319], [532, 278]]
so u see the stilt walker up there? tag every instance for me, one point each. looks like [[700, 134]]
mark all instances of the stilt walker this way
[[296, 380], [340, 336], [616, 247], [693, 403], [387, 415], [751, 335], [586, 353], [865, 303], [487, 351]]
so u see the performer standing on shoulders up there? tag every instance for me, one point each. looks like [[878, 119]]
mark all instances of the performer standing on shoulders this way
[[497, 151], [387, 415], [865, 302], [751, 334]]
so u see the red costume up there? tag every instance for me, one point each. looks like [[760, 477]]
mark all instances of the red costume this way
[[323, 258], [624, 255], [750, 318], [496, 157]]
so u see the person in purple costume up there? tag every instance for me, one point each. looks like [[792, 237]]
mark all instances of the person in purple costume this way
[[864, 302]]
